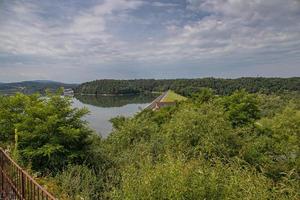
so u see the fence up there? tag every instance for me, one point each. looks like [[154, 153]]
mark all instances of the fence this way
[[16, 184]]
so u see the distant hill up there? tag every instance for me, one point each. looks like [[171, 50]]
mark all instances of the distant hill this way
[[188, 86], [29, 87], [45, 81]]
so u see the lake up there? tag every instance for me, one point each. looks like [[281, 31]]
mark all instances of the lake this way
[[103, 108]]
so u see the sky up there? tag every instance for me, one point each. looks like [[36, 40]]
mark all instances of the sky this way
[[80, 40]]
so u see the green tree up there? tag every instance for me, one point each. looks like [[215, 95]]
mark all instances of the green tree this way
[[241, 108], [12, 109], [52, 133], [204, 95]]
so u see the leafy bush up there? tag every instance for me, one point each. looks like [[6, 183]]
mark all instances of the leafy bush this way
[[276, 145], [11, 113], [198, 131], [241, 108], [78, 182], [209, 148], [51, 134], [195, 179]]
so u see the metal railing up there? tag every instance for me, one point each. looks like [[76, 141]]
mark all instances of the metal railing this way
[[16, 184]]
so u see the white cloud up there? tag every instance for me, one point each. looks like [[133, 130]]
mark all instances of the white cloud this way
[[231, 26], [245, 31], [238, 25], [160, 4], [29, 34]]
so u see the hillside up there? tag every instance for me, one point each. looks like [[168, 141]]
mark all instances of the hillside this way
[[29, 87], [207, 147], [188, 86]]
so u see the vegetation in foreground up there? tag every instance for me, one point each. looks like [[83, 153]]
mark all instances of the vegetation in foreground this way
[[239, 146]]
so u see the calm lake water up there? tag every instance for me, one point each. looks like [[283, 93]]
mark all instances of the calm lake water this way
[[103, 108]]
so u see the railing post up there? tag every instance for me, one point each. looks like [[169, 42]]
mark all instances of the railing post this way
[[17, 184], [23, 186]]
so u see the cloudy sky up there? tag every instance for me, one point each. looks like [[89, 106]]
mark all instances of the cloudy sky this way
[[81, 40]]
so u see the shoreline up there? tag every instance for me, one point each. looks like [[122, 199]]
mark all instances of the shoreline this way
[[112, 95]]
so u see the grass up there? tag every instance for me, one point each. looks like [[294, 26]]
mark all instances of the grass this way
[[172, 96]]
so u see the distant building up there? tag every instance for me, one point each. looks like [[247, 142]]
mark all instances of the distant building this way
[[168, 98]]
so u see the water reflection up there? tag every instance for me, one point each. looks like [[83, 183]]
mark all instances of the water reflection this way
[[103, 108], [115, 101]]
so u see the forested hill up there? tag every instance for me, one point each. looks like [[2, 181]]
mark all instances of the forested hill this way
[[189, 86], [28, 87]]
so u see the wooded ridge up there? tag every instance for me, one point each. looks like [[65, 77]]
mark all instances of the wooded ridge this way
[[188, 86]]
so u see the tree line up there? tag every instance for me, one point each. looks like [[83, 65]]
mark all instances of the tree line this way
[[189, 86], [30, 87]]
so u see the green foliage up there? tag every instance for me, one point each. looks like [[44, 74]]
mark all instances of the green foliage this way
[[210, 147], [79, 182], [194, 179], [277, 145], [135, 131], [50, 132], [198, 131], [187, 87], [241, 146], [204, 95], [241, 108], [30, 87], [11, 113], [117, 122]]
